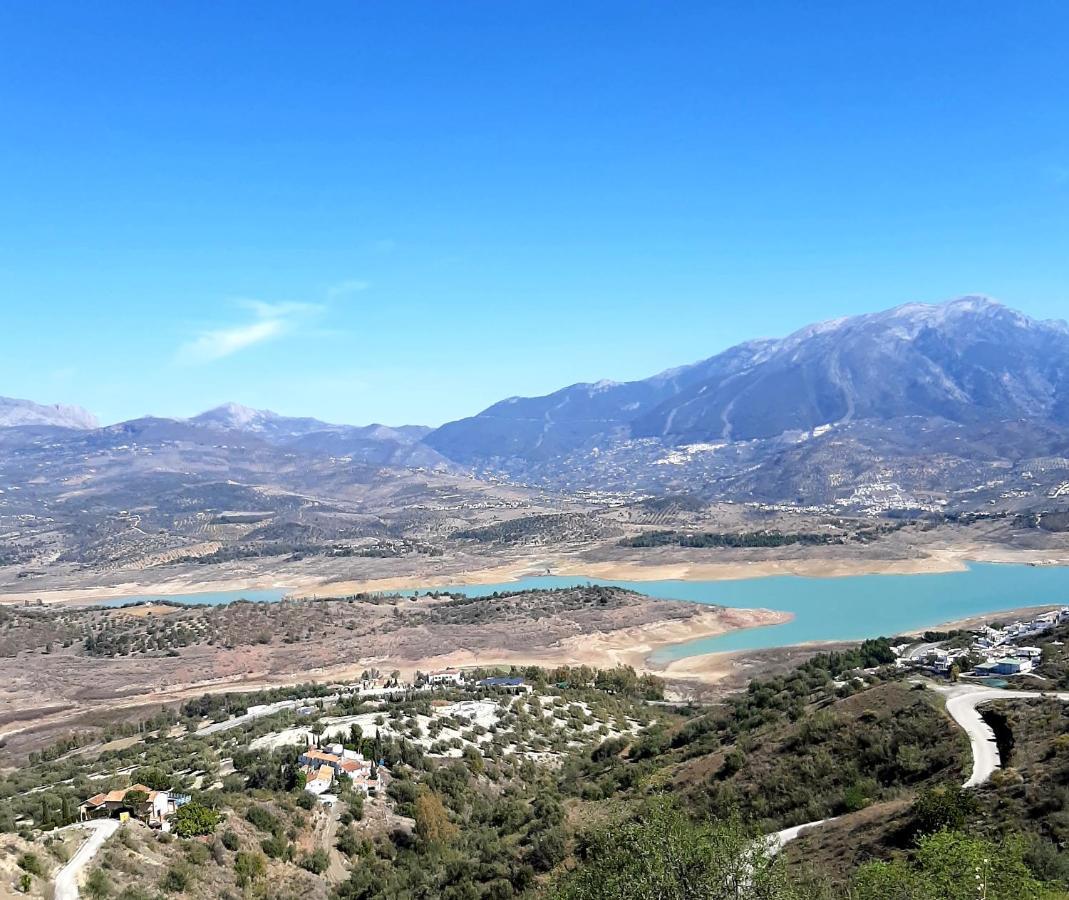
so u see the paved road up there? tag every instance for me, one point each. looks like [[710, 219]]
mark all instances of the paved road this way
[[922, 650], [962, 700], [779, 839], [67, 879]]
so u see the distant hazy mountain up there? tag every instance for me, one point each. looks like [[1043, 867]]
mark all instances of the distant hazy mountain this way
[[967, 361], [368, 444], [15, 413], [542, 427], [914, 408], [234, 417]]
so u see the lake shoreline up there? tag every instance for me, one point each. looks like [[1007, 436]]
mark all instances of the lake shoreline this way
[[711, 668], [941, 560]]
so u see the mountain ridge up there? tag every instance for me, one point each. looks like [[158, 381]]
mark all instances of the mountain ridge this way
[[909, 408], [15, 412], [963, 360]]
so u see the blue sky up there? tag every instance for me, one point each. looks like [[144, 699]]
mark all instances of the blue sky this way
[[402, 212]]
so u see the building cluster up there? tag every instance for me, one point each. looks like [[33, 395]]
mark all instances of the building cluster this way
[[142, 802], [999, 649], [323, 766], [458, 678]]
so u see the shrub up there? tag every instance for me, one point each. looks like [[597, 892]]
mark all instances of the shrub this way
[[248, 867], [197, 853], [948, 806], [30, 863], [230, 840], [276, 846], [194, 819], [97, 886], [175, 880], [263, 819]]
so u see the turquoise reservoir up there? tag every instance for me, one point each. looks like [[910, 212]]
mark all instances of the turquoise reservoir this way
[[838, 609]]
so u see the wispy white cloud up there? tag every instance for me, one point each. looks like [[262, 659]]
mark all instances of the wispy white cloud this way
[[282, 310], [347, 288], [271, 320], [218, 343]]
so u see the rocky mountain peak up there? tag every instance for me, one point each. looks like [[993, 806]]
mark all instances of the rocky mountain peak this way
[[15, 412]]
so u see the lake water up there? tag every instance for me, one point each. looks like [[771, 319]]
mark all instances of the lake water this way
[[202, 598], [839, 609], [825, 609]]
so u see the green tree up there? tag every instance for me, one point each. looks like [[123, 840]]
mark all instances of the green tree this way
[[432, 820], [946, 806], [193, 819], [152, 777], [135, 801], [665, 855], [951, 865]]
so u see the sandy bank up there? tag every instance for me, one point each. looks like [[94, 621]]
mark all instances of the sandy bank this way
[[936, 560], [160, 589], [626, 646], [634, 568], [1019, 612]]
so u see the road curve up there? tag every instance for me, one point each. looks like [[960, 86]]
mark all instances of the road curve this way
[[962, 700], [67, 879]]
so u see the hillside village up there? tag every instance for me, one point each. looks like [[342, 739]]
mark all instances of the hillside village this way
[[987, 650]]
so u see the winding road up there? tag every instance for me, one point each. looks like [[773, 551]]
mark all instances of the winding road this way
[[962, 700], [67, 879]]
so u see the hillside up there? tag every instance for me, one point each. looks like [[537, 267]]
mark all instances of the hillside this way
[[966, 361], [585, 785], [919, 403]]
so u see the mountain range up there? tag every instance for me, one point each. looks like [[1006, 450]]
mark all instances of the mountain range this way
[[967, 361], [922, 400], [15, 413]]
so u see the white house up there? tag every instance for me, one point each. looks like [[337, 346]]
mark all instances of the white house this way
[[320, 780], [446, 676]]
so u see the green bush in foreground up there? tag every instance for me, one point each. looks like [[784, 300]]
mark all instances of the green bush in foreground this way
[[951, 865], [663, 854]]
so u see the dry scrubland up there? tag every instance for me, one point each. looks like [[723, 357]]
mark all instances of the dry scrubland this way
[[61, 665]]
